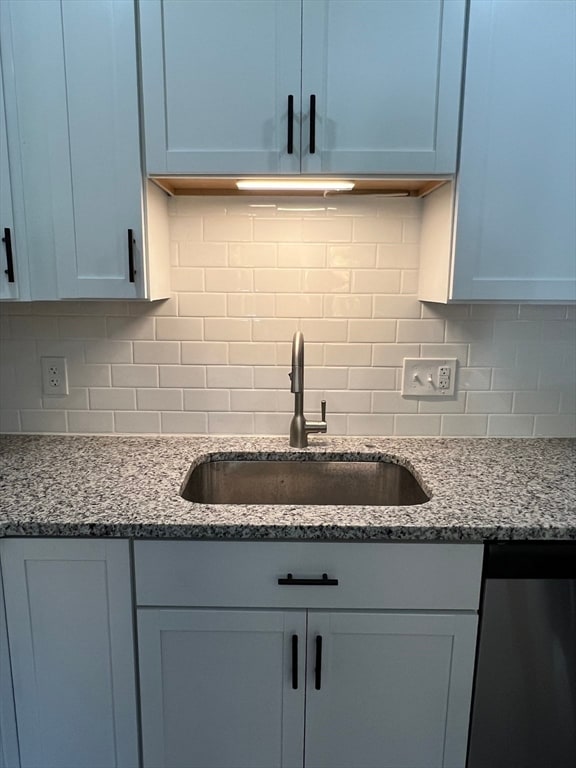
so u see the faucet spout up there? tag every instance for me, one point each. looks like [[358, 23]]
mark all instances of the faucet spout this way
[[299, 427]]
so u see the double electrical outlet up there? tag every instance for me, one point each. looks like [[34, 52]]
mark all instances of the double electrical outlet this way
[[54, 376], [429, 377]]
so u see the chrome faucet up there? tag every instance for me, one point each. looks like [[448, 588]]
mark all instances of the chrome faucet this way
[[299, 427]]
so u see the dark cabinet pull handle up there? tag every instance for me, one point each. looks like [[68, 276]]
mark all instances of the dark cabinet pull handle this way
[[312, 124], [290, 581], [131, 268], [7, 239], [295, 662], [318, 667], [290, 124]]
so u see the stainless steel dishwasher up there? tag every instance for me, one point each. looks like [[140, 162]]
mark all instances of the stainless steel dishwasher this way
[[524, 707]]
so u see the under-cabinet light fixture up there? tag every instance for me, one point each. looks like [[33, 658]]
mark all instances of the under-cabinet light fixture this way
[[295, 185]]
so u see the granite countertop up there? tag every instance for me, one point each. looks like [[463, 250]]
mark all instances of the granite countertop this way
[[480, 489]]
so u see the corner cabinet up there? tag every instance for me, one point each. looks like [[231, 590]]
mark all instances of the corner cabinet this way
[[247, 666], [301, 86], [513, 237], [85, 225], [71, 640]]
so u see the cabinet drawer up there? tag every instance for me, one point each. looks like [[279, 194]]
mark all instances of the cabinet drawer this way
[[368, 575]]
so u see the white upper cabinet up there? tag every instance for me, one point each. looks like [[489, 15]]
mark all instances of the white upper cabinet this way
[[12, 270], [73, 131], [301, 86], [514, 236]]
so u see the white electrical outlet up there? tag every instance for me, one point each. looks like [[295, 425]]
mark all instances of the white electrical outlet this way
[[429, 377], [54, 376]]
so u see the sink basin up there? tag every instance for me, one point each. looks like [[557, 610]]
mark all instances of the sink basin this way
[[277, 481]]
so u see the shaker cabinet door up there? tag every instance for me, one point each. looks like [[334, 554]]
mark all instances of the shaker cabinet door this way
[[99, 39], [515, 235], [386, 76], [217, 688], [217, 77], [388, 690], [69, 618], [9, 270]]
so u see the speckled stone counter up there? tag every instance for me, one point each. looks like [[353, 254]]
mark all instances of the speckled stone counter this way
[[480, 489]]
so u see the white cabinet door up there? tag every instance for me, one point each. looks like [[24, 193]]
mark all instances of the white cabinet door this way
[[69, 618], [10, 267], [86, 225], [217, 688], [386, 76], [390, 690], [99, 39], [36, 118], [515, 236], [216, 81], [9, 757]]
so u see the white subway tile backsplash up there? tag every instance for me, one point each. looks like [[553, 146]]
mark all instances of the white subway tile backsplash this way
[[247, 273], [180, 376], [206, 400], [204, 353], [229, 377], [297, 305], [91, 421], [112, 399], [43, 421], [227, 228], [82, 327], [105, 352], [257, 353], [202, 304], [218, 329], [397, 307], [420, 330], [417, 425], [460, 425], [347, 354], [373, 331], [378, 230], [231, 423], [370, 424], [229, 280], [371, 378], [89, 375], [183, 423], [376, 281], [489, 402], [159, 399], [156, 352], [347, 306], [202, 254], [133, 376], [130, 328], [555, 425], [506, 425], [351, 256], [137, 422]]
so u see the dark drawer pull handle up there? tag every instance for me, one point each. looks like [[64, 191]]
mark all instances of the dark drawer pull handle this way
[[290, 124], [295, 662], [131, 268], [312, 124], [290, 581], [7, 239], [318, 667]]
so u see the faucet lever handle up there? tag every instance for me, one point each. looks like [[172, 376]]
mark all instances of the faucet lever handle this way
[[323, 409]]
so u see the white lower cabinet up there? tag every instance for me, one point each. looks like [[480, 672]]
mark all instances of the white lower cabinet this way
[[229, 683], [71, 642]]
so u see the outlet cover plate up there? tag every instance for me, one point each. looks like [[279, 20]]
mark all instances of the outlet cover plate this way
[[429, 377], [54, 376]]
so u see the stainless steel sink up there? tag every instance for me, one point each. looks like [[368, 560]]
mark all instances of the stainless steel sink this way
[[277, 481]]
